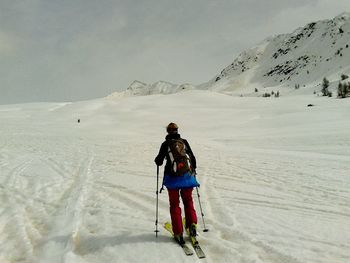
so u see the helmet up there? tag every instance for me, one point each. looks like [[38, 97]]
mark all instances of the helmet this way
[[172, 128]]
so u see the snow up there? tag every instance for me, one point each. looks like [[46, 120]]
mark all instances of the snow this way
[[274, 176]]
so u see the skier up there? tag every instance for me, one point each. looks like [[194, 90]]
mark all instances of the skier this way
[[179, 184]]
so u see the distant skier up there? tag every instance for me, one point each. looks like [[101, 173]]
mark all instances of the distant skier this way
[[179, 179]]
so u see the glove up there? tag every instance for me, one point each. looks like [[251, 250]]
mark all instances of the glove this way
[[158, 162]]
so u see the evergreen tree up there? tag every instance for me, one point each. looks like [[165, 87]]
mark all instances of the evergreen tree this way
[[325, 85], [343, 90], [340, 90]]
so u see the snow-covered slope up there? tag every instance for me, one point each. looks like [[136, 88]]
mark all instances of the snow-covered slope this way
[[274, 176], [304, 57]]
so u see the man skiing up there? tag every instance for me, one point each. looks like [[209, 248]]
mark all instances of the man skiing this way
[[179, 179]]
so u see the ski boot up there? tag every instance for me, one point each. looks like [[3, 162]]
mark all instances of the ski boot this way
[[179, 239], [192, 230]]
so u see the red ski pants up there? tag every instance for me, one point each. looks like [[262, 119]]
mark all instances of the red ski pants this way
[[175, 210]]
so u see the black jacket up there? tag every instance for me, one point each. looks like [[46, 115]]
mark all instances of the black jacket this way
[[163, 153]]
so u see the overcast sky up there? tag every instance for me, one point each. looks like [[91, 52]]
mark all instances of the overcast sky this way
[[70, 50]]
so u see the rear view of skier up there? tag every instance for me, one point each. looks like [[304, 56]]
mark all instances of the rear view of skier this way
[[179, 179]]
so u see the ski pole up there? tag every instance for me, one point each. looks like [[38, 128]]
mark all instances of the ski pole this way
[[200, 206], [157, 202]]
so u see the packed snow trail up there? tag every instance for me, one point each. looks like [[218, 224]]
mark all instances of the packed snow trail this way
[[273, 173]]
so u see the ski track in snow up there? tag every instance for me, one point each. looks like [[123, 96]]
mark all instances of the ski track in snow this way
[[33, 220], [224, 201], [67, 216], [233, 241], [80, 195]]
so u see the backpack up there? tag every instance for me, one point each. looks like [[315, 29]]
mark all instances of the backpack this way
[[180, 161]]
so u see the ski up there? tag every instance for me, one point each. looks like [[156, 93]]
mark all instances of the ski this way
[[184, 247], [195, 244], [197, 248]]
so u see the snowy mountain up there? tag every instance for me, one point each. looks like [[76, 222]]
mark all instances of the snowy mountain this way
[[304, 57], [138, 88]]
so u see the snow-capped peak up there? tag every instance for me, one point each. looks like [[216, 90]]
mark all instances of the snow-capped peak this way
[[303, 57], [138, 88]]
